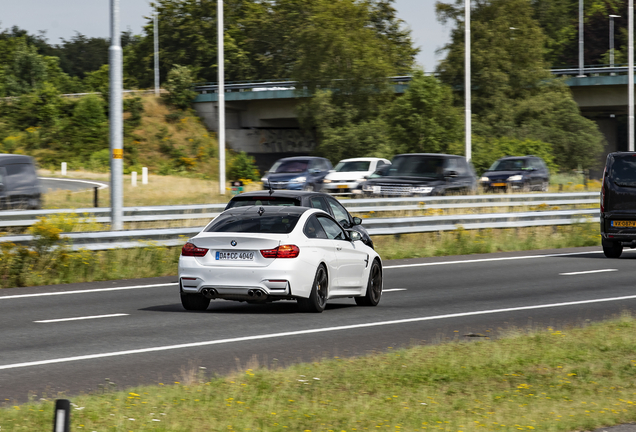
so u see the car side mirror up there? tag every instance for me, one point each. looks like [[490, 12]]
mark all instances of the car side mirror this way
[[354, 235], [357, 221], [450, 174], [314, 171]]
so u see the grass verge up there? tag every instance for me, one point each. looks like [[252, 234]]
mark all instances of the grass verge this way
[[555, 380]]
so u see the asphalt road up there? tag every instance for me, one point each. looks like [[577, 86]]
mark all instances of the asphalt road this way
[[136, 331], [48, 184]]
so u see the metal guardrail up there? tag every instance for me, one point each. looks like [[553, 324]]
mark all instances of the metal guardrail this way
[[375, 226], [22, 218]]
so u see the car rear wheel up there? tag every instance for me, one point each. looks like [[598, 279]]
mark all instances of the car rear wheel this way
[[612, 249], [194, 302], [374, 287], [319, 292]]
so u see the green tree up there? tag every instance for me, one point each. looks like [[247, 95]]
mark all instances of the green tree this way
[[424, 119], [179, 86], [88, 128], [26, 71], [514, 95]]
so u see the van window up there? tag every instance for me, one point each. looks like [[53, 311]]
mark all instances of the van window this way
[[624, 169], [21, 175]]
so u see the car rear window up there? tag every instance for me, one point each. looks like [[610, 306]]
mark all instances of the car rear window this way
[[624, 169], [265, 200], [253, 223]]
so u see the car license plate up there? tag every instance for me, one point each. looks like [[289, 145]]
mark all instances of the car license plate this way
[[234, 256], [624, 224], [344, 186], [498, 184]]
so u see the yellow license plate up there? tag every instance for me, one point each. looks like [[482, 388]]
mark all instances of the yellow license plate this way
[[498, 184], [342, 186], [624, 223]]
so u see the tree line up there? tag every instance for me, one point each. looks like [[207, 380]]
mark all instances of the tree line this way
[[342, 51]]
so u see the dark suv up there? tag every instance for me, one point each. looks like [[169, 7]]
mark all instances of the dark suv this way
[[618, 203], [521, 173], [417, 174], [304, 199]]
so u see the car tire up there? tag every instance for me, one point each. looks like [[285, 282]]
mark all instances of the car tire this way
[[612, 249], [194, 302], [374, 287], [319, 293], [545, 186]]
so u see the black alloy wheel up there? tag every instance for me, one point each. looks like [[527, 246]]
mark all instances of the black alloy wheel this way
[[612, 249], [319, 292], [374, 287], [194, 302]]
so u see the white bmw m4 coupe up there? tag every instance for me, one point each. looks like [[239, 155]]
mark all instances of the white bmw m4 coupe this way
[[260, 254]]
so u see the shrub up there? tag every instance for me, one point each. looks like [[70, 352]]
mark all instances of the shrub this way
[[179, 85], [242, 166]]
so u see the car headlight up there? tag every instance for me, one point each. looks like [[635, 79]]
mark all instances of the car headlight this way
[[421, 189], [484, 179], [264, 179], [326, 181], [515, 177], [361, 180], [299, 180], [367, 188]]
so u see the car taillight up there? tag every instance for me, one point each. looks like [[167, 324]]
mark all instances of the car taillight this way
[[284, 251], [191, 250]]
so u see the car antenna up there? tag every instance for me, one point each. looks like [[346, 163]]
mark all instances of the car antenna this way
[[261, 211]]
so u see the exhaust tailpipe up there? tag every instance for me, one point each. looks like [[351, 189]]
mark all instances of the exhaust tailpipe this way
[[209, 293], [258, 293], [250, 293]]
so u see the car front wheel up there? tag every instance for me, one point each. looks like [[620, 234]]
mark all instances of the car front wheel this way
[[194, 302], [319, 292], [374, 287], [612, 249]]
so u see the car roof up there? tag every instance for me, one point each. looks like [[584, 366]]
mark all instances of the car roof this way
[[518, 157], [300, 158], [430, 154], [280, 193], [276, 210], [15, 158], [363, 159]]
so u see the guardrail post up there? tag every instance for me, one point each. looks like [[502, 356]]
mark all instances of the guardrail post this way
[[144, 175], [134, 178], [62, 418], [96, 196]]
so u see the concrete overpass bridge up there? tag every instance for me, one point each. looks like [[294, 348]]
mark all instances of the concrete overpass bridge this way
[[261, 117]]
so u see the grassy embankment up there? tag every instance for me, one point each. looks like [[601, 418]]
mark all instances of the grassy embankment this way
[[570, 379]]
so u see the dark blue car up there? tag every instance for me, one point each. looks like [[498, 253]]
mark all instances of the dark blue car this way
[[297, 173]]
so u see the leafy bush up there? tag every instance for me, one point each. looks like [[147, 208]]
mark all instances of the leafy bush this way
[[179, 85], [99, 161], [243, 166]]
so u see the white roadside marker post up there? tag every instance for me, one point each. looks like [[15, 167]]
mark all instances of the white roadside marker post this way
[[62, 418], [144, 175], [134, 178], [63, 168]]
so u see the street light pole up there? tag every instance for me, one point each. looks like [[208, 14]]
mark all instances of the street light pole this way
[[116, 121], [630, 74], [467, 83], [611, 39], [581, 44], [221, 92], [156, 40]]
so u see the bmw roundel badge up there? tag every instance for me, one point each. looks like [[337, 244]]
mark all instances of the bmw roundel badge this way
[[233, 243]]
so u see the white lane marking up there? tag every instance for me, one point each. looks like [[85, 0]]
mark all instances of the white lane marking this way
[[81, 318], [305, 332], [587, 272], [393, 289], [87, 291], [488, 260], [101, 185]]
